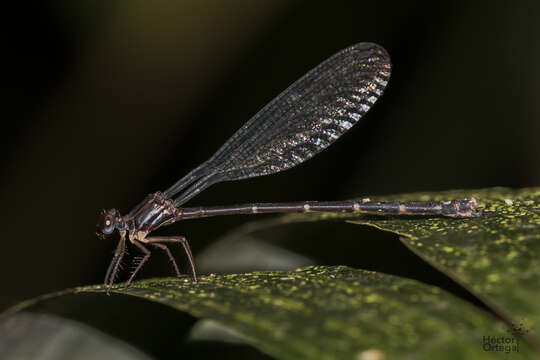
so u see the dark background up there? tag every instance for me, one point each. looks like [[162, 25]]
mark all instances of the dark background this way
[[109, 101]]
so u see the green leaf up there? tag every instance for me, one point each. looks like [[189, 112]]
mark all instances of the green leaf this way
[[332, 313], [495, 256], [344, 313]]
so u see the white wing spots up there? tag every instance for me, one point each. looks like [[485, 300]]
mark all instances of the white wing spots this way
[[373, 88], [308, 116], [362, 90], [380, 81], [319, 143], [348, 104], [297, 158], [372, 99], [344, 124], [304, 151], [327, 121], [331, 133], [279, 150]]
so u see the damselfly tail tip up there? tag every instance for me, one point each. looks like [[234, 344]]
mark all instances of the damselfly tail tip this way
[[474, 207], [466, 208]]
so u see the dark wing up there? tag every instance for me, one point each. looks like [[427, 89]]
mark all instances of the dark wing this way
[[300, 122]]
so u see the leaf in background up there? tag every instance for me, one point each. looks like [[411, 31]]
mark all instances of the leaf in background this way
[[50, 337]]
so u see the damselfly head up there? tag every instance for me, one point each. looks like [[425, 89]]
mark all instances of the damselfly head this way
[[107, 222]]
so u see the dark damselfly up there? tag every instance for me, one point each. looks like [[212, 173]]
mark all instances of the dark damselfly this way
[[299, 123]]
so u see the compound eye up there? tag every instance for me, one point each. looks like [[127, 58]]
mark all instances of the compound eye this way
[[106, 223], [108, 226]]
